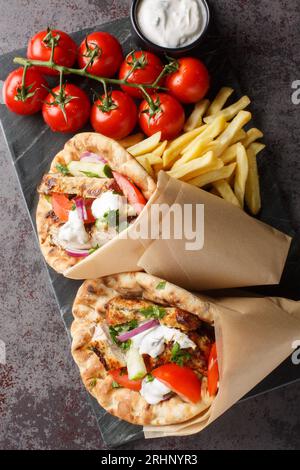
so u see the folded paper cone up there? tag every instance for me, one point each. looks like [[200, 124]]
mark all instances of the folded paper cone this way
[[238, 250], [254, 335]]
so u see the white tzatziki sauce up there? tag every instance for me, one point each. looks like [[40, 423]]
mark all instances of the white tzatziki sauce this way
[[110, 201], [73, 234], [154, 391], [171, 23], [152, 341]]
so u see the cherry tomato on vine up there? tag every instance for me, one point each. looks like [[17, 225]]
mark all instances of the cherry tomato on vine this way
[[27, 99], [190, 82], [65, 51], [66, 109], [140, 67], [103, 51], [164, 114], [114, 115]]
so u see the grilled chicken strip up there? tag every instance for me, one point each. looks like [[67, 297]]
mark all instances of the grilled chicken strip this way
[[120, 310], [83, 186], [108, 353]]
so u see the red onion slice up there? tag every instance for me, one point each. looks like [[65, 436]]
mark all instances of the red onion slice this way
[[81, 209], [140, 329], [91, 157], [77, 253]]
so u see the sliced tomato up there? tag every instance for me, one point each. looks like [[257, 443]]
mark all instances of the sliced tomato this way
[[61, 206], [131, 192], [213, 372], [123, 380], [181, 380]]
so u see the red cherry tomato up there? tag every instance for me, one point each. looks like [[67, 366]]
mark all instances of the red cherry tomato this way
[[190, 82], [213, 371], [106, 52], [65, 52], [61, 206], [140, 67], [169, 117], [34, 92], [123, 380], [181, 380], [115, 116], [76, 109], [131, 192]]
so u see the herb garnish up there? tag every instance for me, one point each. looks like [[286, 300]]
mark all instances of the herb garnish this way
[[63, 169], [153, 312], [178, 355], [118, 329], [161, 285], [112, 218], [149, 378], [92, 250], [93, 382], [107, 171], [115, 384]]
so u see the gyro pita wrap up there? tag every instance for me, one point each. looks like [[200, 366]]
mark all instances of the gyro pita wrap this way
[[85, 186], [253, 336]]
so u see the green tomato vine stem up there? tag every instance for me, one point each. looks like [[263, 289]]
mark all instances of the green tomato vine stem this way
[[81, 72]]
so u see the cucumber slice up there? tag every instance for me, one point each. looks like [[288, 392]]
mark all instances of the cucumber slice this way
[[93, 170], [135, 365]]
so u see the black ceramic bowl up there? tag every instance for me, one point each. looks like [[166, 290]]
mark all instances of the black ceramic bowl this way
[[142, 41]]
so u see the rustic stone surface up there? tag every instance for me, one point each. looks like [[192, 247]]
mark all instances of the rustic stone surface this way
[[42, 402]]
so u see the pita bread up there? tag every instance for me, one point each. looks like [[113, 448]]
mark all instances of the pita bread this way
[[89, 310], [119, 160]]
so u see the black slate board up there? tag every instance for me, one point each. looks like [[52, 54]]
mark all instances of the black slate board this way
[[32, 146]]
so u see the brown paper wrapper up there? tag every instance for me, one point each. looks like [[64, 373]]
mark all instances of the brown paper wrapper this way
[[254, 336], [235, 245]]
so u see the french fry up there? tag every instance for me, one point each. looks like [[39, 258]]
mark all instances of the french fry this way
[[240, 135], [257, 147], [196, 167], [252, 191], [252, 135], [153, 159], [228, 136], [241, 174], [230, 154], [145, 164], [131, 140], [212, 176], [223, 188], [199, 145], [145, 146], [174, 148], [230, 112], [219, 101], [195, 119], [160, 149]]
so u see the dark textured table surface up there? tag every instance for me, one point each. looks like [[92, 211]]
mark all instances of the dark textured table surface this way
[[42, 401]]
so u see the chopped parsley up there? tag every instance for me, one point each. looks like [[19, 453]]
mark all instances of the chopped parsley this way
[[63, 169], [153, 312], [161, 285], [118, 329], [179, 356], [92, 250], [112, 218], [115, 384], [93, 382], [107, 171], [149, 378]]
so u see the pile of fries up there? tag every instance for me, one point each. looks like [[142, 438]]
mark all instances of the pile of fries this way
[[214, 152]]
